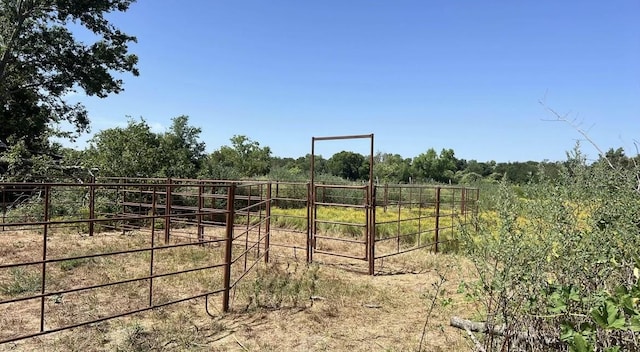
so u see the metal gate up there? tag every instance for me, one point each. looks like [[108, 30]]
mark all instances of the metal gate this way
[[353, 239]]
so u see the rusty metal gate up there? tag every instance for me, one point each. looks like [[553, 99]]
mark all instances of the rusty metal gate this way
[[353, 239]]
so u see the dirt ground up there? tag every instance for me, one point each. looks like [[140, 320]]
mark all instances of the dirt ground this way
[[388, 316], [348, 311]]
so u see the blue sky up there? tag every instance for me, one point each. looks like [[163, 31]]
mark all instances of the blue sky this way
[[465, 75]]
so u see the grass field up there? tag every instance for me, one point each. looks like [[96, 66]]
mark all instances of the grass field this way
[[285, 306]]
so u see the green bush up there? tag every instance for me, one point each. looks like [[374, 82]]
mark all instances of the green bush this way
[[557, 260]]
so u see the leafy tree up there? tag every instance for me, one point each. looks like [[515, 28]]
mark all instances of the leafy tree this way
[[348, 165], [133, 151], [518, 172], [391, 168], [286, 169], [245, 156], [214, 170], [470, 177], [41, 61], [320, 163], [549, 170], [618, 159], [182, 151], [473, 166], [278, 162], [430, 165], [136, 151]]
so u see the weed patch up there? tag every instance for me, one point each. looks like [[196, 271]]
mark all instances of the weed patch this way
[[21, 281]]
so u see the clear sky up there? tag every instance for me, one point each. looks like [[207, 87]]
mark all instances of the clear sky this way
[[465, 75]]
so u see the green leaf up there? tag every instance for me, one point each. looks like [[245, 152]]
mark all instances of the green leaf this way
[[634, 323], [614, 320], [574, 295], [599, 317], [566, 332], [580, 344]]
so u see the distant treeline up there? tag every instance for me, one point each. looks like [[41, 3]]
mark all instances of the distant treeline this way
[[137, 151]]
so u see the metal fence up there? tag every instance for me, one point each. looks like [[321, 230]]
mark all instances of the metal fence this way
[[167, 241], [423, 217], [67, 249]]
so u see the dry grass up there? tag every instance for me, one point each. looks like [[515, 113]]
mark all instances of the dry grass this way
[[350, 310]]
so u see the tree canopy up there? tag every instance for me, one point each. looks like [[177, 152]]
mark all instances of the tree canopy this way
[[42, 61], [244, 158], [137, 151], [349, 165]]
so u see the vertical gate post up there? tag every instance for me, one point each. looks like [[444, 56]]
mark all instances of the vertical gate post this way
[[372, 211], [167, 212], [153, 244], [420, 208], [437, 229], [199, 216], [47, 201], [4, 206], [372, 232], [309, 222], [230, 217], [92, 204], [267, 223], [124, 207]]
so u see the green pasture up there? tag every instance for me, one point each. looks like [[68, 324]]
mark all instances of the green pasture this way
[[410, 224]]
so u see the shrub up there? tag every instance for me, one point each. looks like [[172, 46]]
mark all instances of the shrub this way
[[559, 261]]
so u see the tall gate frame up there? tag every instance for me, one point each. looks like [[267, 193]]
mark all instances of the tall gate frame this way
[[368, 205]]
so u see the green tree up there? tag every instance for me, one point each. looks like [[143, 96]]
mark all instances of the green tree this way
[[618, 159], [348, 165], [473, 166], [182, 150], [133, 151], [391, 168], [41, 61], [244, 156], [304, 163], [519, 172], [431, 166]]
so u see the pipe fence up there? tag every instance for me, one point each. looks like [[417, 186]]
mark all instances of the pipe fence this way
[[67, 251]]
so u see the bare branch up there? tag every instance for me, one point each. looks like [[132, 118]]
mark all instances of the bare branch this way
[[575, 126]]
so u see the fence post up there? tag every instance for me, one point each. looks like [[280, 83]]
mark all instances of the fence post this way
[[268, 224], [420, 208], [153, 245], [309, 222], [167, 211], [4, 206], [463, 201], [92, 204], [437, 229], [124, 206], [47, 200], [199, 216], [372, 231], [230, 217]]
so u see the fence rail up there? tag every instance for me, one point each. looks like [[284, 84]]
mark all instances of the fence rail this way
[[204, 236]]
